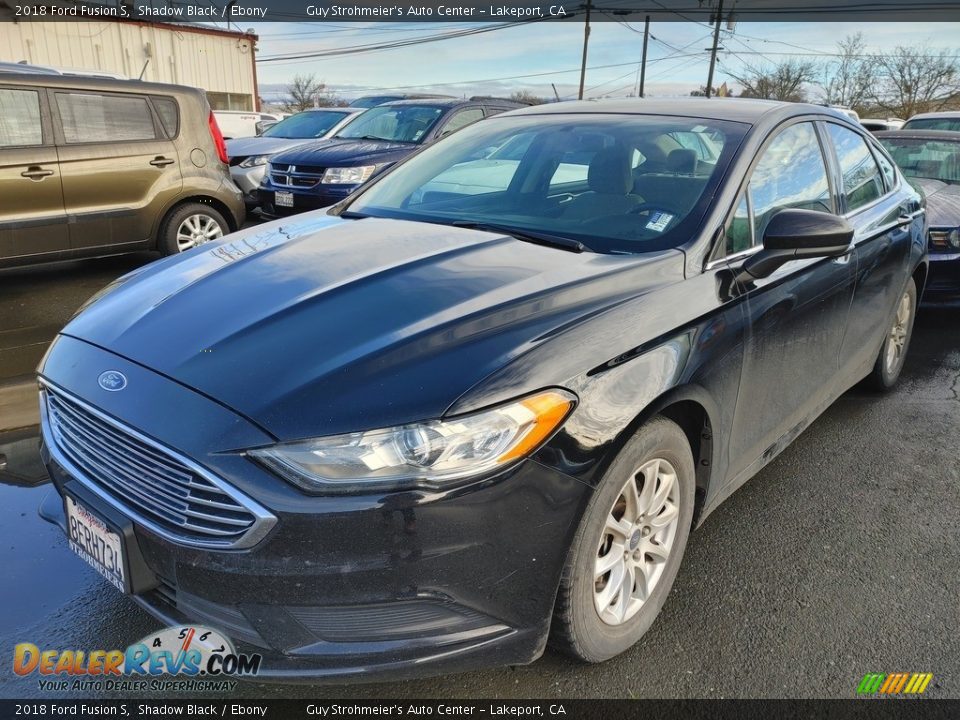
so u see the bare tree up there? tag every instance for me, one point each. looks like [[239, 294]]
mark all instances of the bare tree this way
[[306, 92], [783, 81], [525, 96], [912, 80], [851, 81]]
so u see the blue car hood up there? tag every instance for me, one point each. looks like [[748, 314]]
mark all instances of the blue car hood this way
[[321, 325], [335, 152]]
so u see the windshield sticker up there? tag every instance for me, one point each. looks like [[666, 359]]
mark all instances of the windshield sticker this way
[[659, 221]]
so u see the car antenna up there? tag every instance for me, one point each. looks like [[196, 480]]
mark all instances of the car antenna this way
[[144, 69]]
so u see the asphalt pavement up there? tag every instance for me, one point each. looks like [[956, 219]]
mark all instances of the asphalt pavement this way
[[839, 559]]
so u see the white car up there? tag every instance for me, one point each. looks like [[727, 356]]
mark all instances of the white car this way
[[249, 155], [879, 124], [240, 123]]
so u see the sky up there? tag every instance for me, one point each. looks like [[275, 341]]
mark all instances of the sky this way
[[677, 56]]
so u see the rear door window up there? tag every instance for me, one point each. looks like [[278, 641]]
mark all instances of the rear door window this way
[[169, 117], [862, 179], [95, 118], [20, 118], [461, 119]]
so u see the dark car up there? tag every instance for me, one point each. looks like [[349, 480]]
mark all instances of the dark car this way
[[320, 174], [429, 430], [945, 120], [931, 160]]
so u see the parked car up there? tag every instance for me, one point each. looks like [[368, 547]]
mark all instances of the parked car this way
[[249, 156], [879, 125], [417, 434], [934, 121], [240, 123], [369, 101], [931, 160], [320, 174], [92, 166]]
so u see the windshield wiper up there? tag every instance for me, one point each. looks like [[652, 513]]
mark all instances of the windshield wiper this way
[[556, 241]]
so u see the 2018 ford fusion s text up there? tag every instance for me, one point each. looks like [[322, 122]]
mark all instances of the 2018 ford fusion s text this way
[[446, 421]]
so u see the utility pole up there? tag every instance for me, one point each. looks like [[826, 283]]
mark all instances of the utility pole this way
[[713, 51], [643, 60], [555, 93], [586, 39]]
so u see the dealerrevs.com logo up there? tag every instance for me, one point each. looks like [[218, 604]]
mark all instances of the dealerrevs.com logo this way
[[200, 658]]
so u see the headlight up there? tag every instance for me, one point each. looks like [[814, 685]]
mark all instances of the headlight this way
[[432, 454], [945, 239], [255, 161], [349, 175]]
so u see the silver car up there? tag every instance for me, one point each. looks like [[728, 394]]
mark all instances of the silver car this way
[[249, 156]]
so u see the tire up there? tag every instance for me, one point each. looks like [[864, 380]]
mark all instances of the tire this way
[[578, 628], [896, 342], [191, 221]]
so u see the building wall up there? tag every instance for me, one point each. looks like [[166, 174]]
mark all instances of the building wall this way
[[219, 62]]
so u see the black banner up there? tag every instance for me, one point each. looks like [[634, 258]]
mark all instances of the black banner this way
[[485, 709], [482, 11]]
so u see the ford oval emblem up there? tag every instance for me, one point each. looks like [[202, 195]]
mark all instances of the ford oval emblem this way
[[112, 380]]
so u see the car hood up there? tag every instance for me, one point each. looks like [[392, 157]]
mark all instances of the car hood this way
[[245, 147], [323, 325], [943, 202], [346, 153]]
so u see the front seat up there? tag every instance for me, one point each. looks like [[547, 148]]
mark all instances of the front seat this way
[[682, 161], [610, 182]]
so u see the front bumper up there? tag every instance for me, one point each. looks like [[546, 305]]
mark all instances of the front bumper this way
[[943, 278], [248, 179], [318, 197], [399, 585]]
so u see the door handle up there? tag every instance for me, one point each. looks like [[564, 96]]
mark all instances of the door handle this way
[[904, 220], [161, 161], [36, 173]]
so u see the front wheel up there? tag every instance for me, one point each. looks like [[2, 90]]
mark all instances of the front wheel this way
[[190, 225], [893, 352], [628, 548]]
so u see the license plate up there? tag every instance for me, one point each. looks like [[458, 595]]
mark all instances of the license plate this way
[[92, 540], [283, 199]]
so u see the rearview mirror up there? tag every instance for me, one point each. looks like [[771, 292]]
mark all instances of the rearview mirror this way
[[793, 234]]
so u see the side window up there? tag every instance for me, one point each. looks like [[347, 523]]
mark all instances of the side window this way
[[461, 119], [740, 233], [862, 180], [20, 118], [791, 173], [886, 167], [88, 117], [169, 118]]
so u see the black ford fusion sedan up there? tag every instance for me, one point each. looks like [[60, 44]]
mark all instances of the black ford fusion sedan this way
[[479, 406]]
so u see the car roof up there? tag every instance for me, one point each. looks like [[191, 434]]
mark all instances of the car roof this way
[[745, 110], [943, 114], [453, 102], [948, 135], [86, 82]]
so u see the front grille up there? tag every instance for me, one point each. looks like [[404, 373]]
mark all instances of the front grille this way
[[169, 495], [300, 176]]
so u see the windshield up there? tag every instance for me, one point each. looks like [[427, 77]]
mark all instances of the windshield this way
[[945, 123], [394, 123], [309, 124], [928, 159], [616, 183]]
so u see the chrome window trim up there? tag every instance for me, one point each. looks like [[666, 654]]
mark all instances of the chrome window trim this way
[[263, 522]]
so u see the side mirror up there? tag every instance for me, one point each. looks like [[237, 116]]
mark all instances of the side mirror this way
[[793, 234]]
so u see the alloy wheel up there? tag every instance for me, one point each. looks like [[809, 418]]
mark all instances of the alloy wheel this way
[[637, 538], [897, 338], [197, 229]]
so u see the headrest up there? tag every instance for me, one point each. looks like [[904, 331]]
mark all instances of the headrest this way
[[682, 160], [609, 172]]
